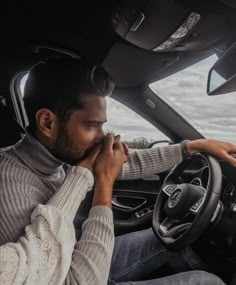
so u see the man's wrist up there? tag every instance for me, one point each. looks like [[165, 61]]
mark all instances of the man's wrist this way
[[195, 146], [185, 149], [101, 202], [103, 193], [104, 180]]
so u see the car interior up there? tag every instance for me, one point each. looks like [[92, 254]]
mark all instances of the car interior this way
[[139, 42]]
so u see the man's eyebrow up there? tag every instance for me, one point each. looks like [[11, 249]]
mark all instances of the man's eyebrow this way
[[95, 122]]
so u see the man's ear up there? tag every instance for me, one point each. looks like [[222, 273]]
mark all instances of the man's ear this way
[[46, 122]]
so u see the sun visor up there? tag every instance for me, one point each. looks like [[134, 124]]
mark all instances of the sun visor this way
[[154, 25]]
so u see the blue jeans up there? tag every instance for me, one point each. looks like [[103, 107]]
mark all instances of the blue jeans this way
[[138, 255]]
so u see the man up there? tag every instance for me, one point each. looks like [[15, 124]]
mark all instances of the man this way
[[66, 108], [46, 248]]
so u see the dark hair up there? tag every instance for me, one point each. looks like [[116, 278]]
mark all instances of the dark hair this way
[[58, 85]]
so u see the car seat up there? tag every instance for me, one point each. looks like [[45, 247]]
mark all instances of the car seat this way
[[10, 129]]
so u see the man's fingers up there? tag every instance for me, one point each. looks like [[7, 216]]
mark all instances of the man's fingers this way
[[229, 150], [108, 142], [95, 152], [126, 149], [230, 159], [118, 143], [232, 148], [117, 139], [96, 149], [112, 142]]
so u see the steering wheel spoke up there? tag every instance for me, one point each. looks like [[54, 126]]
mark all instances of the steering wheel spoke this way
[[169, 228]]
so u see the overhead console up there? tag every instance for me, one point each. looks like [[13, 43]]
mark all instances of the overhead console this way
[[169, 25]]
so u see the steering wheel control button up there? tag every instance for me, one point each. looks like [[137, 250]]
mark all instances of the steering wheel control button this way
[[144, 211], [233, 208], [197, 205], [168, 189], [174, 198]]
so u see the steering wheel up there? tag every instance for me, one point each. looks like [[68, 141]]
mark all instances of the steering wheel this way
[[184, 210]]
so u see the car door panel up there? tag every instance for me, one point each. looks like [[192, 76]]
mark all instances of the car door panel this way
[[133, 203]]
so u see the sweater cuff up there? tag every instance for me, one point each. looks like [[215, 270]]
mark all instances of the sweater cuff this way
[[177, 153], [85, 172], [68, 198], [101, 211]]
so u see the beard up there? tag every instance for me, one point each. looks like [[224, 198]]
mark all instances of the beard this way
[[65, 150]]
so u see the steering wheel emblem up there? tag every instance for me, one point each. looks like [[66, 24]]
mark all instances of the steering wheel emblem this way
[[174, 198]]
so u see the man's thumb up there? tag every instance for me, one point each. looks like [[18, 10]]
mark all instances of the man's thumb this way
[[94, 152]]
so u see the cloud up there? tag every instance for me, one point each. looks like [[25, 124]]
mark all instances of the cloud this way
[[213, 116], [129, 124]]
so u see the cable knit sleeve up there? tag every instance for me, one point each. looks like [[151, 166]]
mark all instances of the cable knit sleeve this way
[[92, 255], [43, 254], [150, 161], [91, 258]]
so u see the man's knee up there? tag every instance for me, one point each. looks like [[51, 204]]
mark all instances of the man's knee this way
[[205, 278]]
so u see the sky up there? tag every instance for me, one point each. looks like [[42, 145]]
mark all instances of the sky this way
[[213, 116], [129, 124]]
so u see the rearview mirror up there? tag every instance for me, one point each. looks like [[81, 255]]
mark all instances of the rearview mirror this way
[[222, 75]]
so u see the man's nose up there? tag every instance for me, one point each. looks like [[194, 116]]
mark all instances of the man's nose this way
[[100, 135]]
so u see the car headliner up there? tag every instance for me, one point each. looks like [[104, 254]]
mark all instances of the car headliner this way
[[32, 31]]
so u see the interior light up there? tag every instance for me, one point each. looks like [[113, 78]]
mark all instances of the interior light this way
[[180, 33]]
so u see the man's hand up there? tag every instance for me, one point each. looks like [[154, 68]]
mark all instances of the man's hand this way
[[106, 169], [126, 149], [216, 148], [90, 159], [110, 159]]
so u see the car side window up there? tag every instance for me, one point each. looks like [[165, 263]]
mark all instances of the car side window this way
[[134, 129]]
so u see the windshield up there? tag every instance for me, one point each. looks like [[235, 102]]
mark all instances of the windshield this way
[[213, 116]]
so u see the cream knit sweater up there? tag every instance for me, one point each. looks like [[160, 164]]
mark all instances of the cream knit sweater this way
[[48, 252]]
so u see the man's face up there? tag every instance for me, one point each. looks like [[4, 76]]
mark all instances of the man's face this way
[[82, 131]]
